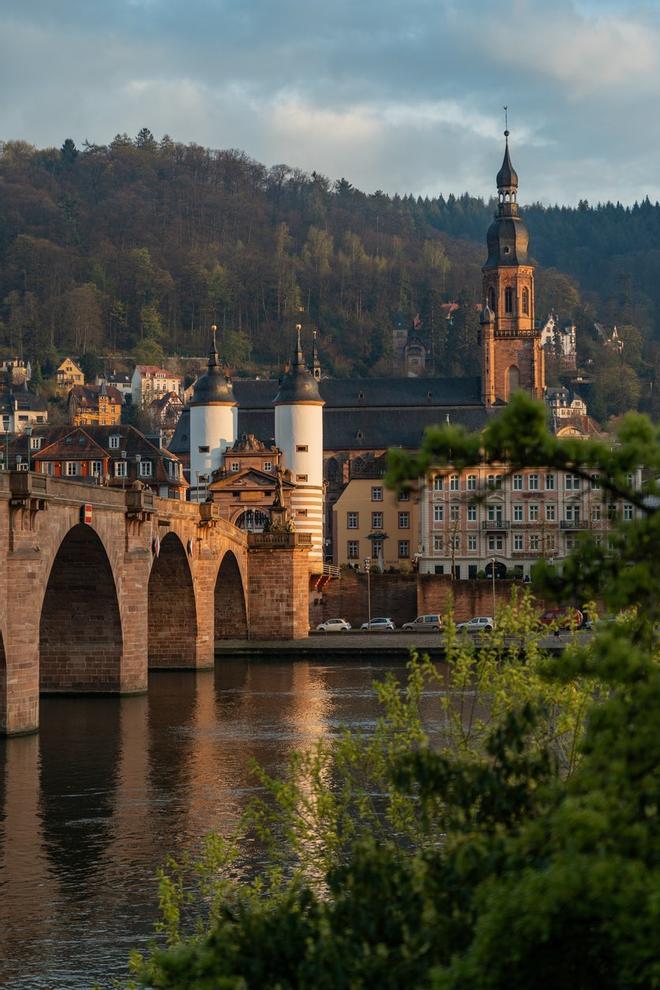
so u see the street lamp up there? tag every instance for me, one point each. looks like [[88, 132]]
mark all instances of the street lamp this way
[[28, 434], [367, 567]]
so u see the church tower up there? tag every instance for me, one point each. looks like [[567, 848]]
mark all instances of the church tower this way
[[512, 355], [299, 435]]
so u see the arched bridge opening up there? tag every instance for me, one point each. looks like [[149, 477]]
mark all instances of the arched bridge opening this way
[[172, 615], [80, 634], [230, 613]]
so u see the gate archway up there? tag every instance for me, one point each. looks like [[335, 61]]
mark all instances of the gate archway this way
[[80, 634], [230, 613], [172, 615]]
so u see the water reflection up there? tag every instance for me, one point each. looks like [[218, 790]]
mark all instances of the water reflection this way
[[90, 806]]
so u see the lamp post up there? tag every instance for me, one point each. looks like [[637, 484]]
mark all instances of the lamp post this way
[[28, 434], [367, 567]]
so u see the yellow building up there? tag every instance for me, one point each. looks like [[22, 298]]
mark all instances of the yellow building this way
[[371, 521], [67, 375], [94, 405]]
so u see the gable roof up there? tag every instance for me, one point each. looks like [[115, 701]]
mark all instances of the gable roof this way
[[75, 445], [248, 478]]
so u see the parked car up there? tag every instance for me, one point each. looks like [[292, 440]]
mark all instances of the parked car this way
[[424, 623], [479, 623], [334, 625], [379, 625]]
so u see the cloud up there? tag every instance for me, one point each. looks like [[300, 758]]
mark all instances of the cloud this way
[[400, 97]]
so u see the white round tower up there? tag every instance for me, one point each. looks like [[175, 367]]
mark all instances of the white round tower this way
[[299, 435], [213, 423]]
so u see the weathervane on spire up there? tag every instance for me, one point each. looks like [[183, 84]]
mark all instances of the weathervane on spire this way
[[506, 121]]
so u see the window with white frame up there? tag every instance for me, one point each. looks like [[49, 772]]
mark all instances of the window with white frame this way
[[594, 482], [438, 513], [550, 512], [534, 542], [352, 520], [517, 512], [268, 465], [571, 483], [437, 544], [235, 465], [376, 520], [35, 443], [630, 481], [549, 482], [353, 550], [517, 541], [471, 513], [404, 549], [533, 512], [454, 512], [628, 511], [533, 482], [404, 520], [595, 513], [96, 468], [495, 542], [376, 549], [70, 469], [453, 482], [438, 483], [571, 541], [377, 493], [120, 469], [572, 513], [472, 482], [113, 442], [146, 469], [517, 482], [472, 542]]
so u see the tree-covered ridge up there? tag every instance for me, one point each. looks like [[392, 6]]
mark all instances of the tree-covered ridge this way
[[145, 243]]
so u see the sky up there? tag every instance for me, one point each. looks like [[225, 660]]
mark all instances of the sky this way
[[400, 95]]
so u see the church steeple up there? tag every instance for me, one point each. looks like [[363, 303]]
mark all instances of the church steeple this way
[[512, 358]]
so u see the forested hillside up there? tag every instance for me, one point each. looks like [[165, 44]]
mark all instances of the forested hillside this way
[[138, 246]]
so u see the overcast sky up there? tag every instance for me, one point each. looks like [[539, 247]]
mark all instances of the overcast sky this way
[[399, 95]]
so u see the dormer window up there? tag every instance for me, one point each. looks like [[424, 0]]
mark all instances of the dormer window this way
[[113, 442]]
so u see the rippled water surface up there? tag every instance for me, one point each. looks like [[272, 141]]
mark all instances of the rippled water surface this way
[[90, 805]]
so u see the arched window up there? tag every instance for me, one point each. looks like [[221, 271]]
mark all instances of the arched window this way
[[508, 300], [525, 302], [491, 298]]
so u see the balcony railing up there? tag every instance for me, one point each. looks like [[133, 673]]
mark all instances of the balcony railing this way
[[491, 525], [574, 524]]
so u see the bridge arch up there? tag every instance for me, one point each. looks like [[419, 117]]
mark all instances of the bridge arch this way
[[229, 608], [171, 607], [80, 629]]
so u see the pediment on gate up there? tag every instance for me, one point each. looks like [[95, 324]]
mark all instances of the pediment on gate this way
[[250, 478]]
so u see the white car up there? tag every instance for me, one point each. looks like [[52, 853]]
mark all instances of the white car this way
[[480, 623], [334, 625], [424, 623], [379, 625]]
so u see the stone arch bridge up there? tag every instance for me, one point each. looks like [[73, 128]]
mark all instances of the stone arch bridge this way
[[97, 586]]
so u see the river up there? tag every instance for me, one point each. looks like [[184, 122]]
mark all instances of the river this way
[[90, 806]]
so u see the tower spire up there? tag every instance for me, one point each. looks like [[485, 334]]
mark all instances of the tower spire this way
[[213, 352]]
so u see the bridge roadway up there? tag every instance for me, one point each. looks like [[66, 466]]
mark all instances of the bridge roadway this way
[[99, 585]]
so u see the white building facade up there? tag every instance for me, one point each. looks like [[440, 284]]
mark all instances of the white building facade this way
[[488, 517]]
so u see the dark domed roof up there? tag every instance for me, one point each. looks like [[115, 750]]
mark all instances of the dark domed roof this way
[[298, 384], [507, 177], [213, 385], [507, 241]]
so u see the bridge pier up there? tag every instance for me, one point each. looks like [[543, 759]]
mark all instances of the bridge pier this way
[[278, 585]]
